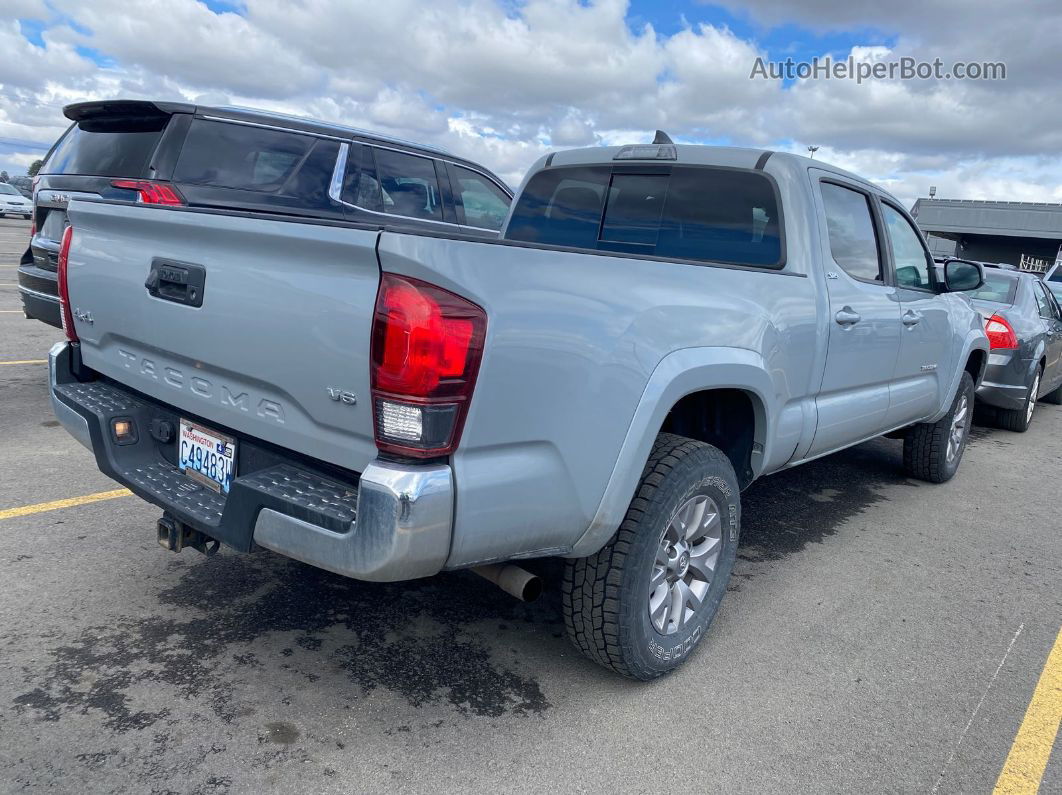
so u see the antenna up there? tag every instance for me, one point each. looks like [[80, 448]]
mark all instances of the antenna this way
[[812, 150], [662, 138]]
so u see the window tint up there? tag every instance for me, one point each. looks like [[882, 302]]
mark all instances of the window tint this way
[[997, 288], [709, 214], [633, 208], [360, 185], [853, 242], [483, 203], [909, 257], [1056, 274], [561, 207], [111, 150], [238, 156], [408, 185]]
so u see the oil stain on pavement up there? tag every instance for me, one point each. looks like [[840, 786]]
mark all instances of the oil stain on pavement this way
[[416, 640]]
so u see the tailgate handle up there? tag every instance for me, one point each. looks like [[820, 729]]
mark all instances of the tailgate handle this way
[[180, 282]]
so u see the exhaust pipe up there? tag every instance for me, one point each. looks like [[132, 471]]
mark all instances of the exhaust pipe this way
[[515, 581]]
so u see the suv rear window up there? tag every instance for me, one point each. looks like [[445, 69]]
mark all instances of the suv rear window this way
[[116, 149], [295, 168], [695, 213]]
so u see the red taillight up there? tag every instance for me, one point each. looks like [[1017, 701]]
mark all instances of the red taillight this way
[[1001, 335], [426, 347], [150, 192], [64, 289]]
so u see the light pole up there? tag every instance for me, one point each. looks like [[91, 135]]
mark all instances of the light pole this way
[[812, 150]]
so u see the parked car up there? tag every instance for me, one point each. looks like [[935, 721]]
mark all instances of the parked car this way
[[23, 184], [249, 160], [14, 203], [1023, 321], [657, 327]]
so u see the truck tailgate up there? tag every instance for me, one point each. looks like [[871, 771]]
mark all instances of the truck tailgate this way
[[278, 349]]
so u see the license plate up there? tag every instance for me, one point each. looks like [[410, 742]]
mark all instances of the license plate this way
[[206, 456]]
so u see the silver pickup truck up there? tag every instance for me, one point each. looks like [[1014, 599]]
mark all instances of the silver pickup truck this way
[[657, 326]]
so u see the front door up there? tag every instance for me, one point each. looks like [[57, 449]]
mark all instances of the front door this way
[[864, 320], [921, 380]]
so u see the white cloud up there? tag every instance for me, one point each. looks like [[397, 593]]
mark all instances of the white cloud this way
[[503, 82]]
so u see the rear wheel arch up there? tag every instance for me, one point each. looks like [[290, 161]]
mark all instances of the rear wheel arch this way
[[731, 419], [975, 365]]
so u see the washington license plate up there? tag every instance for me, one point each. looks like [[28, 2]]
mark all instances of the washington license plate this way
[[206, 456]]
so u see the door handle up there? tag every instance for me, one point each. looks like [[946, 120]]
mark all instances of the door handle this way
[[847, 317], [911, 318]]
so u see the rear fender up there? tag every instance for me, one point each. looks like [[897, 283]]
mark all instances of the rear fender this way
[[679, 374]]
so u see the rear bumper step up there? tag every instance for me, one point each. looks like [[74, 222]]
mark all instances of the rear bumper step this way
[[393, 524]]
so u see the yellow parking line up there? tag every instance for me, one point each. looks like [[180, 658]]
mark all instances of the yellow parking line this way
[[1027, 760], [55, 505], [28, 361]]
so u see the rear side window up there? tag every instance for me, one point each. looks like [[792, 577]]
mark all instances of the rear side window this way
[[408, 185], [703, 214], [1043, 302], [295, 168], [853, 241], [119, 148]]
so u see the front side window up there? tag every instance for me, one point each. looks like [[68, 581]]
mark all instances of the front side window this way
[[909, 256], [706, 214], [853, 241], [483, 203], [408, 185]]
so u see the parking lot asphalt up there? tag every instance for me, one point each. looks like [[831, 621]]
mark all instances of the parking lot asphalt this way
[[880, 635]]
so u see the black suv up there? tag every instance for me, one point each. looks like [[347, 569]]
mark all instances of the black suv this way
[[257, 161]]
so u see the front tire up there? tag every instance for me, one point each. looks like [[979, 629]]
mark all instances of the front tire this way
[[645, 600], [932, 451], [1018, 420]]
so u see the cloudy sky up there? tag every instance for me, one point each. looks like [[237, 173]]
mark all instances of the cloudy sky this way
[[503, 82]]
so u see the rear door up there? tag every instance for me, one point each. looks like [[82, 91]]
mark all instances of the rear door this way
[[864, 336], [275, 341], [924, 366]]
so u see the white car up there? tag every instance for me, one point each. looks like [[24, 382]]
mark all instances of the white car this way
[[14, 203]]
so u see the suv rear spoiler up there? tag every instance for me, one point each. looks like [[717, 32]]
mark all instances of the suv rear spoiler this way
[[124, 109]]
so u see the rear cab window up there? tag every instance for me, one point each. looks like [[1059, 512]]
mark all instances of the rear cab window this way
[[693, 213]]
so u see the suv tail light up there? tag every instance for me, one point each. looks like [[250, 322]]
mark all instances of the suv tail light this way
[[150, 192], [64, 289], [426, 348], [1000, 333]]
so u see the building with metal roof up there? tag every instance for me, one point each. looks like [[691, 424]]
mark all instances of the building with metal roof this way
[[1025, 234]]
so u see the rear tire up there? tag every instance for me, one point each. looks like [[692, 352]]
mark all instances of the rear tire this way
[[1017, 420], [932, 451], [644, 601]]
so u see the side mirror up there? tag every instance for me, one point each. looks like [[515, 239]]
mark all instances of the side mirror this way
[[961, 275]]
